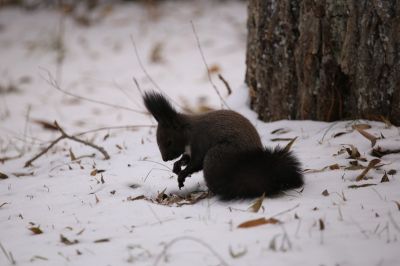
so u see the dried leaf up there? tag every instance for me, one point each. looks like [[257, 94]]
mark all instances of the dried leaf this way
[[289, 145], [360, 186], [361, 126], [130, 198], [368, 136], [385, 178], [325, 193], [102, 240], [72, 155], [371, 165], [355, 167], [379, 152], [339, 134], [280, 131], [67, 242], [96, 171], [353, 152], [3, 176], [257, 222], [321, 225], [156, 53], [281, 139], [45, 124], [21, 174], [334, 166], [331, 167], [36, 230], [97, 199], [257, 203]]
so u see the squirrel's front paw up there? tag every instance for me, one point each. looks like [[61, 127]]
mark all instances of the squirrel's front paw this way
[[181, 181], [177, 168]]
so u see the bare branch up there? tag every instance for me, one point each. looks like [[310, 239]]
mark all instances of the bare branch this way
[[148, 75], [207, 68], [193, 239], [228, 88], [52, 82], [64, 135]]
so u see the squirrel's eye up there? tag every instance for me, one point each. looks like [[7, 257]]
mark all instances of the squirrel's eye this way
[[169, 143]]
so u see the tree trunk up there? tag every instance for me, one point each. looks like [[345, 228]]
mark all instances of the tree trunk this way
[[324, 60]]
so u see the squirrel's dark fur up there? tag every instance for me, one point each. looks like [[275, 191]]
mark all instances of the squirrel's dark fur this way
[[227, 147]]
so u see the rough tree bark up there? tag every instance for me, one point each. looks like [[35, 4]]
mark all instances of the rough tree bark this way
[[324, 60]]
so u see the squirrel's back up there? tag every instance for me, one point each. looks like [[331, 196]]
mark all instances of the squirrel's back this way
[[224, 126]]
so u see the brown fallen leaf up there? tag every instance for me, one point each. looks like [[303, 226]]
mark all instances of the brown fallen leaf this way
[[281, 139], [289, 145], [353, 152], [21, 174], [258, 222], [325, 193], [3, 176], [72, 155], [368, 136], [330, 167], [385, 178], [321, 225], [280, 131], [102, 240], [35, 230], [130, 198], [256, 204], [68, 242], [371, 165], [45, 124], [379, 152], [361, 126], [339, 134], [96, 171]]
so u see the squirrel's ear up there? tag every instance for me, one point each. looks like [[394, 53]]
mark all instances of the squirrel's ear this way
[[160, 108]]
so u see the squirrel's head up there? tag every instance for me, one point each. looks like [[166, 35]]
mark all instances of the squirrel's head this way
[[171, 141], [171, 127]]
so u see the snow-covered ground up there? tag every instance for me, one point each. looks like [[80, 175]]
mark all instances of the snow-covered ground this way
[[86, 218]]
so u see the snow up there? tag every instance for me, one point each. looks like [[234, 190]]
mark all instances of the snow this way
[[346, 227]]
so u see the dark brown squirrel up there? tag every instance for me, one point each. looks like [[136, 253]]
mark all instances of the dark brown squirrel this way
[[227, 147]]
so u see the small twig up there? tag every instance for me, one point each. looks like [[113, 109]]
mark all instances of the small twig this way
[[121, 89], [8, 255], [206, 66], [201, 242], [64, 135], [137, 86], [286, 211], [148, 75], [111, 128], [52, 82], [228, 88]]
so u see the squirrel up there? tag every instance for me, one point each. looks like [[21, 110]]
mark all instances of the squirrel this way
[[227, 147]]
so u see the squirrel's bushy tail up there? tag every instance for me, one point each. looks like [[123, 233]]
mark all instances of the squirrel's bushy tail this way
[[250, 174]]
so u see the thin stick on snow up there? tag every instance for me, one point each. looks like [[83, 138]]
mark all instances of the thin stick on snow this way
[[52, 82], [8, 255], [228, 88], [148, 75], [64, 135], [207, 68], [201, 242]]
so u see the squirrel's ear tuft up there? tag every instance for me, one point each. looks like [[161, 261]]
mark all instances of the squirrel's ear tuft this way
[[160, 108]]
